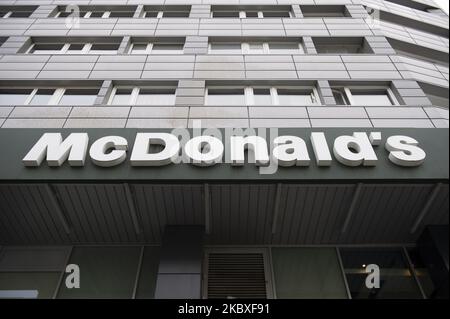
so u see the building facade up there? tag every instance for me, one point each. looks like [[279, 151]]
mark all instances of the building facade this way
[[355, 90]]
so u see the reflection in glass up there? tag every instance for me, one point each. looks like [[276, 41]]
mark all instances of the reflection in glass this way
[[396, 279], [13, 96], [42, 97], [27, 284], [106, 272], [307, 273]]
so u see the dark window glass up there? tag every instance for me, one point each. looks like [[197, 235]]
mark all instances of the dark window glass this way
[[422, 273], [79, 97], [97, 14], [308, 273], [175, 14], [149, 271], [105, 272], [226, 14], [28, 284], [396, 279]]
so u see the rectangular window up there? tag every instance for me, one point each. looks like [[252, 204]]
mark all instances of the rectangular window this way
[[157, 46], [97, 11], [104, 48], [364, 95], [262, 96], [312, 273], [14, 96], [74, 46], [437, 95], [371, 97], [225, 96], [79, 97], [47, 48], [341, 45], [42, 97], [108, 272], [260, 12], [155, 96], [145, 95], [324, 11], [396, 278], [256, 46], [16, 11], [259, 95], [298, 97], [122, 97], [169, 11]]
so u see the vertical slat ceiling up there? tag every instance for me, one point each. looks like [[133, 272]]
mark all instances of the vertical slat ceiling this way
[[238, 275], [239, 213]]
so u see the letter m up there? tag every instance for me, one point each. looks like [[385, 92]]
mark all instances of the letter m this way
[[57, 151]]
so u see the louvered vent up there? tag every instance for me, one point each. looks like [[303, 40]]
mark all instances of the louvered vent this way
[[236, 275]]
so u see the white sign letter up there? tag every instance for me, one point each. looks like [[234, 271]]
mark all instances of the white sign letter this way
[[99, 148], [141, 156], [404, 151], [321, 150], [290, 151], [204, 150], [354, 150], [257, 144], [51, 145]]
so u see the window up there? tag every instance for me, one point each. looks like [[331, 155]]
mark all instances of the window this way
[[251, 12], [396, 278], [295, 96], [31, 272], [341, 45], [436, 94], [326, 11], [98, 11], [415, 24], [79, 97], [42, 97], [145, 95], [108, 272], [166, 11], [262, 95], [14, 96], [256, 46], [364, 96], [2, 40], [414, 5], [157, 46], [149, 273], [225, 96], [16, 11], [48, 96], [75, 46], [308, 273], [419, 52]]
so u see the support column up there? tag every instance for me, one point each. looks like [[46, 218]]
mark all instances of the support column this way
[[180, 266]]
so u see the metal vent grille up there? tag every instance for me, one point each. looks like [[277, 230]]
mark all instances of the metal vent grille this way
[[236, 275]]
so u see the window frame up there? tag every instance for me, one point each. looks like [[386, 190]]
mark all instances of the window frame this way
[[346, 92], [245, 48], [135, 90], [249, 99], [242, 14], [87, 49], [56, 96], [149, 49]]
